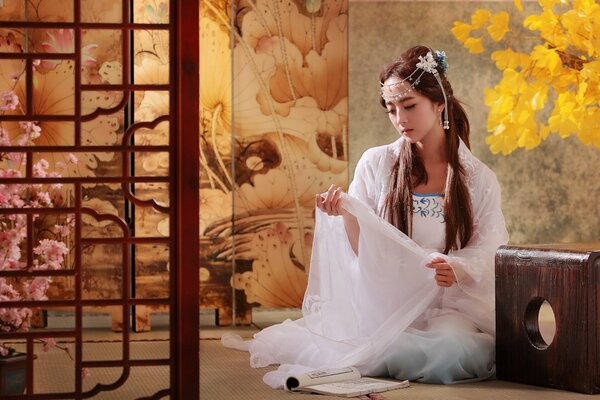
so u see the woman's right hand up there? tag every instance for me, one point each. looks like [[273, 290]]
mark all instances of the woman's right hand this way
[[330, 202]]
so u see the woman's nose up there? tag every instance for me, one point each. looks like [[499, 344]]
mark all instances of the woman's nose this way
[[400, 119]]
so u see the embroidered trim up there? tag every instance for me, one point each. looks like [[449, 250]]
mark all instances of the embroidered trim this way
[[429, 207]]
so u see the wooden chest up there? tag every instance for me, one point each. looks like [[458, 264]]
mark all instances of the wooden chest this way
[[567, 277]]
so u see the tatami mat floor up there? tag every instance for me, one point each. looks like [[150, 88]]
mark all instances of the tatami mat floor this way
[[226, 374]]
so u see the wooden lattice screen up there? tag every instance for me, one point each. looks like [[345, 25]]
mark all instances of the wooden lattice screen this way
[[99, 191]]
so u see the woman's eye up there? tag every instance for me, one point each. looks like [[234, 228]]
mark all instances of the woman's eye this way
[[391, 111], [409, 107]]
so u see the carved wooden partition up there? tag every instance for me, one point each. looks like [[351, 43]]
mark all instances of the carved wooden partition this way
[[99, 192]]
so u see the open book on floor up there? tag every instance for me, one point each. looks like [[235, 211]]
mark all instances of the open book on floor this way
[[343, 382]]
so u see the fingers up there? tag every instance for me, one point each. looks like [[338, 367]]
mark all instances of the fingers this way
[[330, 201], [319, 202], [444, 274], [444, 280], [337, 200], [437, 260], [330, 193]]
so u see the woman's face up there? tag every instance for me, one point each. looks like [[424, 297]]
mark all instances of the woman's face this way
[[413, 115]]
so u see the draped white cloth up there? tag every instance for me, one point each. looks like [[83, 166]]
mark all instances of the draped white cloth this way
[[356, 307]]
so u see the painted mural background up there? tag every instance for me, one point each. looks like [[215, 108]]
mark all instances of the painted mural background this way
[[549, 194], [274, 112]]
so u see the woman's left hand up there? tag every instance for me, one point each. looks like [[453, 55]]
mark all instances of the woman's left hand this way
[[444, 274]]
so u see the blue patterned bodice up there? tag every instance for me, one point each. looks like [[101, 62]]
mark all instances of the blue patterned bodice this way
[[429, 223], [429, 206]]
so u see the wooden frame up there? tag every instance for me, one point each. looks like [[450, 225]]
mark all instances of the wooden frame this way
[[187, 379]]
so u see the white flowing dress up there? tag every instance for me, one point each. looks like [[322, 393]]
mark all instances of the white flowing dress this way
[[381, 310]]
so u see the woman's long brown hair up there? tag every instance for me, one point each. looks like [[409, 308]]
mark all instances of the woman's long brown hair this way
[[409, 170]]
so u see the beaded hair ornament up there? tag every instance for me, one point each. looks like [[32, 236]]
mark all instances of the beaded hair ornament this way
[[426, 64]]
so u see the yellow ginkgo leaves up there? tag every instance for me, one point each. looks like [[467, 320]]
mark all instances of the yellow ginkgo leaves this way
[[553, 88], [546, 58], [509, 59], [497, 27], [480, 18], [461, 30], [474, 45], [512, 119]]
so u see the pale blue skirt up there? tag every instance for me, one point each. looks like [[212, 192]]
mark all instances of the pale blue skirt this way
[[446, 349]]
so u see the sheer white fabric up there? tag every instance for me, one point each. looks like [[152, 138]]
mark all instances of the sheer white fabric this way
[[358, 309]]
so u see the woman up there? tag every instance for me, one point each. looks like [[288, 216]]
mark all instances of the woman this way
[[402, 270]]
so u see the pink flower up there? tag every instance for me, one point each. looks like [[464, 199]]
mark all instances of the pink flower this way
[[59, 41], [61, 230], [8, 100], [36, 288], [31, 130], [15, 319], [51, 249], [40, 169], [50, 254], [17, 202], [44, 198], [63, 41]]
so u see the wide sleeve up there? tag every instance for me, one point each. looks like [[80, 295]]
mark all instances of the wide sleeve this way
[[363, 186], [474, 265]]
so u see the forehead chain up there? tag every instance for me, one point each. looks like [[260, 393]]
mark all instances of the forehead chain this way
[[428, 64]]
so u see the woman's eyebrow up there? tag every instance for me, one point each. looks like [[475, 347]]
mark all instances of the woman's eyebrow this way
[[406, 99]]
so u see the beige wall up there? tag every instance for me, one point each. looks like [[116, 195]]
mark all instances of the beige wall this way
[[550, 194]]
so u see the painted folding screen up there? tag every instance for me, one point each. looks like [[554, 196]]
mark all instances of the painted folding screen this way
[[274, 112], [87, 192]]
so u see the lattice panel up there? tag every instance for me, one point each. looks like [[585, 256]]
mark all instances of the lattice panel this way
[[87, 193]]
